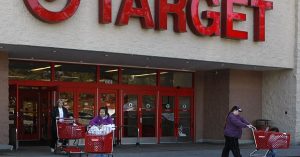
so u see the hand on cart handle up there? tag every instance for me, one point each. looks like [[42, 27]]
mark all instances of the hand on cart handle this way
[[66, 120], [251, 127]]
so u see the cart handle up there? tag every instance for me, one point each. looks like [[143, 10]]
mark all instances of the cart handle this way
[[253, 128]]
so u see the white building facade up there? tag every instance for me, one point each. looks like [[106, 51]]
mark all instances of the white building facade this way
[[260, 76]]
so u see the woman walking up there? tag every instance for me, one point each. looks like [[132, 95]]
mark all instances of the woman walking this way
[[233, 132]]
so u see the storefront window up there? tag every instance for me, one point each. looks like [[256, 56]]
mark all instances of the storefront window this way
[[22, 70], [109, 75], [75, 73], [176, 79], [109, 100], [86, 108], [139, 76]]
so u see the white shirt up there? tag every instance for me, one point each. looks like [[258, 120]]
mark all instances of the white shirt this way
[[61, 112]]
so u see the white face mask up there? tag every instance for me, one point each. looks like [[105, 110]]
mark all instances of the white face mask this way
[[236, 112]]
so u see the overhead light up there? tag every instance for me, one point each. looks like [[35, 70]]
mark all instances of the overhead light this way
[[1, 47], [141, 75], [187, 62], [109, 71], [16, 76], [163, 73], [106, 55], [73, 77], [48, 67]]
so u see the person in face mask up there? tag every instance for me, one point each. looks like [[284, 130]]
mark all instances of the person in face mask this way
[[102, 119], [233, 131]]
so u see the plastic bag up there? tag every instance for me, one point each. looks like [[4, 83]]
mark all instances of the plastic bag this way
[[104, 130]]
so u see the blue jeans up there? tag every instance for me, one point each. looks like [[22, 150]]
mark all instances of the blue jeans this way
[[271, 153]]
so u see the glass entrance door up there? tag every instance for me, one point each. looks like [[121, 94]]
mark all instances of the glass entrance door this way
[[33, 109], [184, 131], [28, 114], [139, 118], [176, 119], [168, 119]]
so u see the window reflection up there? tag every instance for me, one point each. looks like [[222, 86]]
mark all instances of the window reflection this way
[[68, 101], [22, 70], [184, 128], [148, 116], [130, 115], [167, 115], [86, 108], [135, 76], [176, 79], [75, 73], [109, 75], [109, 100]]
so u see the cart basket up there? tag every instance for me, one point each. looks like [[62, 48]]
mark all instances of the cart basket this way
[[70, 131], [99, 143], [271, 140]]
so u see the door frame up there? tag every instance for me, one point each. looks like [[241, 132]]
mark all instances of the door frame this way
[[176, 94], [139, 93]]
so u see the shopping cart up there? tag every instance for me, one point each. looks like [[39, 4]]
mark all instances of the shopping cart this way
[[68, 129], [268, 140], [99, 144]]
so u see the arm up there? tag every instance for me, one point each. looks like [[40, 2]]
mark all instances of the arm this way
[[94, 121], [53, 113], [244, 121], [237, 122], [110, 121]]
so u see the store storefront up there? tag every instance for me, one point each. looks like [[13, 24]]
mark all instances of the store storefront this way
[[169, 71], [153, 105]]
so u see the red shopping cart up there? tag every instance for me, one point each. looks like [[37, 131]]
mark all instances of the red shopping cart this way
[[268, 140], [99, 144], [68, 129]]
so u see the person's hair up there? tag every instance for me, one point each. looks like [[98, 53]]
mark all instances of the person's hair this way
[[105, 109], [275, 129], [60, 101], [233, 109]]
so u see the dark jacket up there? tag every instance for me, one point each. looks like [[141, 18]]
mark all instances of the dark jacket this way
[[234, 125], [54, 114]]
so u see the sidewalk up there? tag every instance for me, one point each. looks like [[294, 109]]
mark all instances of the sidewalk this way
[[159, 150]]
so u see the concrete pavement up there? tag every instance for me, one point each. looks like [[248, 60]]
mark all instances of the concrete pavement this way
[[159, 150]]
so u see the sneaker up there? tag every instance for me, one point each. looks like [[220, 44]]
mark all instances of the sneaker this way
[[52, 150], [182, 134]]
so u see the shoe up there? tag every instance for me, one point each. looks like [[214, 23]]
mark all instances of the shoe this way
[[52, 150], [182, 134]]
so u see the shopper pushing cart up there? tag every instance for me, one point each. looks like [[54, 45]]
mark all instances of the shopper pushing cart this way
[[99, 139], [59, 111]]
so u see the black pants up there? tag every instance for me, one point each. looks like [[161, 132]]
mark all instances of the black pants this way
[[53, 140], [231, 144]]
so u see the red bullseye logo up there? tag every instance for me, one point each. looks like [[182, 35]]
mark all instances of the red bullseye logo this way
[[45, 15]]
